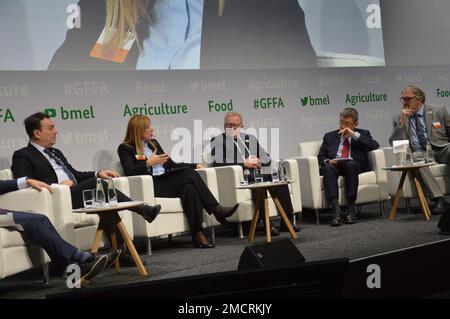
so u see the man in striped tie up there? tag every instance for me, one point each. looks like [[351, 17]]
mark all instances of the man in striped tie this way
[[344, 153]]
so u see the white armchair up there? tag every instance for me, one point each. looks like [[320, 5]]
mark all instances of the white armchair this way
[[17, 255], [372, 185]]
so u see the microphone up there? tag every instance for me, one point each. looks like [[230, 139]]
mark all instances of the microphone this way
[[246, 143]]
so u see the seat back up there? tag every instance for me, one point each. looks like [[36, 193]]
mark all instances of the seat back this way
[[116, 167], [6, 174], [309, 148]]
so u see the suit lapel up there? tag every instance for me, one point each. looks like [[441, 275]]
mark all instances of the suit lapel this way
[[39, 156], [335, 144], [428, 113]]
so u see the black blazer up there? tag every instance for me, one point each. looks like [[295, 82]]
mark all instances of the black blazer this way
[[7, 186], [250, 34], [132, 166], [29, 162], [359, 148], [224, 151]]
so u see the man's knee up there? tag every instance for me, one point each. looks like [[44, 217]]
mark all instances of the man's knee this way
[[352, 166], [329, 170]]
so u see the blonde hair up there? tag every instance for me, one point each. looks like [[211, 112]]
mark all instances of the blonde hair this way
[[122, 17], [135, 130]]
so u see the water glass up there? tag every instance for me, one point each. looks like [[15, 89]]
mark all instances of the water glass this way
[[419, 157], [275, 176], [258, 176], [246, 173], [409, 159], [88, 198], [112, 194], [402, 158]]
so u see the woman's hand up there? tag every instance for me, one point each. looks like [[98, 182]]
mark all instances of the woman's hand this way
[[157, 159]]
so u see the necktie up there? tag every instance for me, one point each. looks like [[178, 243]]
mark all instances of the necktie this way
[[420, 130], [61, 164], [345, 149]]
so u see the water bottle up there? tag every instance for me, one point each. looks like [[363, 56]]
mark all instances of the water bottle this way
[[429, 155], [100, 200], [282, 171], [112, 194]]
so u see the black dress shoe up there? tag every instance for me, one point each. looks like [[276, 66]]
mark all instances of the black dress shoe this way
[[221, 213], [201, 245], [441, 207], [149, 212], [337, 219], [273, 231], [283, 227]]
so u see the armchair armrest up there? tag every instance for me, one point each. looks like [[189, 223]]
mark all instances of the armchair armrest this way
[[229, 177], [141, 188], [377, 162], [310, 179]]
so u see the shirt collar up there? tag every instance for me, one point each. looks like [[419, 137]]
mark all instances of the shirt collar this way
[[420, 111], [40, 148]]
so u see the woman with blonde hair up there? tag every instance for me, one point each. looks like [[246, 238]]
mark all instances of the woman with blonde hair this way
[[141, 154]]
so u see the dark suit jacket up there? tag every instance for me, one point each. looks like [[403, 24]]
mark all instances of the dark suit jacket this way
[[359, 148], [132, 166], [29, 162], [224, 151], [250, 34], [7, 186]]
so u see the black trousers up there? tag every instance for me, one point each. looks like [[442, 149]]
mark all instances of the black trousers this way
[[283, 195], [350, 171], [38, 229], [187, 184]]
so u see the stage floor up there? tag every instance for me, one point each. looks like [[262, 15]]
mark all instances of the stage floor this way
[[372, 235]]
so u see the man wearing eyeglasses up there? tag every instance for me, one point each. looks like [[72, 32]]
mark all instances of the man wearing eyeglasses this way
[[236, 148], [422, 123], [344, 153]]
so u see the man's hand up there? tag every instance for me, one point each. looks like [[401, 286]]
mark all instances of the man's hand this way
[[39, 185], [252, 162], [405, 114], [105, 174], [333, 162], [67, 182], [200, 166], [346, 133]]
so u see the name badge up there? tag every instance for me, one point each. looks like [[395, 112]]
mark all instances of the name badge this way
[[121, 54], [141, 157], [437, 124]]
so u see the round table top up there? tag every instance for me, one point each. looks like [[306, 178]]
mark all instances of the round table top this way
[[106, 209], [264, 185], [408, 167]]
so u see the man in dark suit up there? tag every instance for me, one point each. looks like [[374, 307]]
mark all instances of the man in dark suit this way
[[235, 148], [39, 160], [38, 229], [344, 153]]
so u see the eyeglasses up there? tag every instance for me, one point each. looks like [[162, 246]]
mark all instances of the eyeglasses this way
[[407, 98], [232, 125], [346, 123]]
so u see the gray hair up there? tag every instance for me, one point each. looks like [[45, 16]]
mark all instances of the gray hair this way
[[417, 91], [230, 114], [350, 112]]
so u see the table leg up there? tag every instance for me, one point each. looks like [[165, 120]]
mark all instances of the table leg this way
[[283, 214], [397, 195], [422, 200], [130, 245], [266, 215], [251, 235], [98, 233]]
